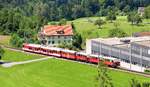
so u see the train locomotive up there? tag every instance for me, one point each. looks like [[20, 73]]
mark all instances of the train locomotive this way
[[70, 54]]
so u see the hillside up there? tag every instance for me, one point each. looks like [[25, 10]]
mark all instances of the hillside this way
[[88, 30]]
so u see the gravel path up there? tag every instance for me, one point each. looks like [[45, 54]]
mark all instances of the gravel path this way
[[23, 62]]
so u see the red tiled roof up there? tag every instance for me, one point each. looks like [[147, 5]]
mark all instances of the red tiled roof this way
[[142, 34], [49, 30]]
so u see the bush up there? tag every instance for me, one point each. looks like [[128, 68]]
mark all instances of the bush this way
[[117, 33], [147, 71]]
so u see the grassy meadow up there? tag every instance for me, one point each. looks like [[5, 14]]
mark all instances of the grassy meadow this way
[[60, 73], [10, 55], [4, 40], [88, 30], [56, 73]]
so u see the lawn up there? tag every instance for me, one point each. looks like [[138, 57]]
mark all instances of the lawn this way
[[4, 40], [89, 30], [18, 56], [56, 73]]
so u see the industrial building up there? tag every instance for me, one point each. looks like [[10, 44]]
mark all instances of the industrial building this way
[[135, 50]]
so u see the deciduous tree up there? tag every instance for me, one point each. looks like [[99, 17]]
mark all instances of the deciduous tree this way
[[136, 83], [1, 52], [103, 79], [116, 32], [111, 16], [99, 22], [134, 18], [147, 12]]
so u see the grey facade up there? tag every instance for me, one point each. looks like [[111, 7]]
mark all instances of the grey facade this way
[[130, 52]]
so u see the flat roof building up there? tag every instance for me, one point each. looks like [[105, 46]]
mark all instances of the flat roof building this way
[[129, 49]]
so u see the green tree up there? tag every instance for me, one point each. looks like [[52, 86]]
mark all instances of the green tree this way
[[99, 22], [111, 16], [77, 40], [147, 12], [146, 84], [1, 52], [116, 32], [126, 9], [103, 79], [134, 18], [16, 40], [77, 12], [136, 83], [63, 22]]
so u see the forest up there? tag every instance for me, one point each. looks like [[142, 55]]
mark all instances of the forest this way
[[71, 9]]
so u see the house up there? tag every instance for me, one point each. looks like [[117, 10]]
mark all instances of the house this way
[[141, 11], [53, 35]]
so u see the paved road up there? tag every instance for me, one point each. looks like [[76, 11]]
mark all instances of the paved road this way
[[23, 62]]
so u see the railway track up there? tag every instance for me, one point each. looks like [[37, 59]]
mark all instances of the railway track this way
[[117, 69]]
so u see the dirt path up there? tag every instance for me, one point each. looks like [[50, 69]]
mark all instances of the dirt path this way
[[23, 62]]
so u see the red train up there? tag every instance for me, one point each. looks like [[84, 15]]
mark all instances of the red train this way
[[69, 54]]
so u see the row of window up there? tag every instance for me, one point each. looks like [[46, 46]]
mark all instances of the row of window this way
[[65, 37], [53, 42]]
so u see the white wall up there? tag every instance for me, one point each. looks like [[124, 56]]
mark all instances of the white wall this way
[[58, 39], [88, 47]]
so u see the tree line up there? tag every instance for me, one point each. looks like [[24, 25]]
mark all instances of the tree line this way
[[72, 9]]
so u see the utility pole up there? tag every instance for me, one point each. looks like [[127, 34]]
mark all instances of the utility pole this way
[[100, 49], [130, 56], [141, 56]]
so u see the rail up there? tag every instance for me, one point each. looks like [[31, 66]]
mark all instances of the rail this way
[[118, 69]]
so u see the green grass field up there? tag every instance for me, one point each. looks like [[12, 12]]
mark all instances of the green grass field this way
[[89, 30], [56, 73], [4, 40], [18, 56]]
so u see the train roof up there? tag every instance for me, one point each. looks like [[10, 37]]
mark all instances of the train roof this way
[[33, 45], [51, 48], [82, 53], [103, 57], [69, 51], [92, 55], [110, 58]]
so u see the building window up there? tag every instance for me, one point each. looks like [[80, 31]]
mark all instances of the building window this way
[[59, 41], [68, 41], [49, 42], [53, 42], [52, 37], [64, 41]]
